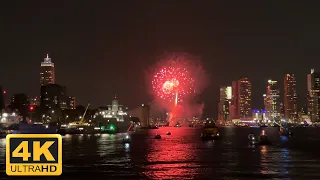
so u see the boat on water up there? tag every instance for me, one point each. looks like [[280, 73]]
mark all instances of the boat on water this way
[[26, 128], [210, 131], [177, 125]]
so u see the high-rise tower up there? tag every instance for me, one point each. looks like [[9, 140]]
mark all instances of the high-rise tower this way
[[313, 81], [272, 104], [47, 75], [241, 99], [225, 100], [290, 97]]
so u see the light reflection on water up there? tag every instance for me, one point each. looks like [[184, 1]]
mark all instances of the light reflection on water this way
[[182, 155]]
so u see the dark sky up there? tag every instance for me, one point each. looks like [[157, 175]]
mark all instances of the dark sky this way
[[103, 48]]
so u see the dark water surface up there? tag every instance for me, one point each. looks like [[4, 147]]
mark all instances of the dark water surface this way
[[183, 155]]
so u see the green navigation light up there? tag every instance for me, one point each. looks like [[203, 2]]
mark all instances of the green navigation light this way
[[111, 127]]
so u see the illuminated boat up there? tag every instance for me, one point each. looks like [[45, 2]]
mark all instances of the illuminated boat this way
[[263, 139], [177, 125], [210, 131], [126, 139]]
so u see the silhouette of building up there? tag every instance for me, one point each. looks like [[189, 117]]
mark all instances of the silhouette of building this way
[[53, 96], [19, 102]]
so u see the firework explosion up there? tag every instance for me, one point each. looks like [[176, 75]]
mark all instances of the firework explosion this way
[[176, 81], [173, 83]]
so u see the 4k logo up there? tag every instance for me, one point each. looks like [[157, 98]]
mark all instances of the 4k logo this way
[[34, 155]]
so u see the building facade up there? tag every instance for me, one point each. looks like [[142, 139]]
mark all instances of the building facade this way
[[272, 101], [114, 111], [224, 104], [53, 96], [241, 99], [290, 97], [47, 74], [313, 82], [71, 103]]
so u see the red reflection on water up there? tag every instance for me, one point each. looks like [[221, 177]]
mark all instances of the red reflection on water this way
[[172, 156]]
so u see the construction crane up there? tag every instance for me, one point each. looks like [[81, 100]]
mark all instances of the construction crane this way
[[84, 114], [81, 122]]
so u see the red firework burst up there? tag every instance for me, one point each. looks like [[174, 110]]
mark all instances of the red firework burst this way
[[173, 83]]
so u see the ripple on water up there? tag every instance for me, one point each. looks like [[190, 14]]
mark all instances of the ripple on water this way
[[182, 155]]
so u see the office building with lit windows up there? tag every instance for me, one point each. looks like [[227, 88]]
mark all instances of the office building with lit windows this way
[[313, 82], [272, 101], [224, 104], [290, 97], [47, 75], [71, 102], [53, 96], [241, 99]]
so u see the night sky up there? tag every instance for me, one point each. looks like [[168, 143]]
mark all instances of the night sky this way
[[102, 49]]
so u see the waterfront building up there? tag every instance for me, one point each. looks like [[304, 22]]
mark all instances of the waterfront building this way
[[20, 102], [259, 115], [313, 82], [290, 97], [47, 74], [272, 101], [9, 118], [241, 99], [113, 111], [224, 104], [53, 96]]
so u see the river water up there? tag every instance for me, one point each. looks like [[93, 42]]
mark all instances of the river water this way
[[183, 155]]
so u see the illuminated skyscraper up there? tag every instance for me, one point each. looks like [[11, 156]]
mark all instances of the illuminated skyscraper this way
[[313, 81], [272, 104], [241, 99], [290, 97], [47, 75], [225, 100]]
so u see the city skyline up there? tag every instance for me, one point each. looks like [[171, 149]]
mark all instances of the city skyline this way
[[50, 79], [97, 55]]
